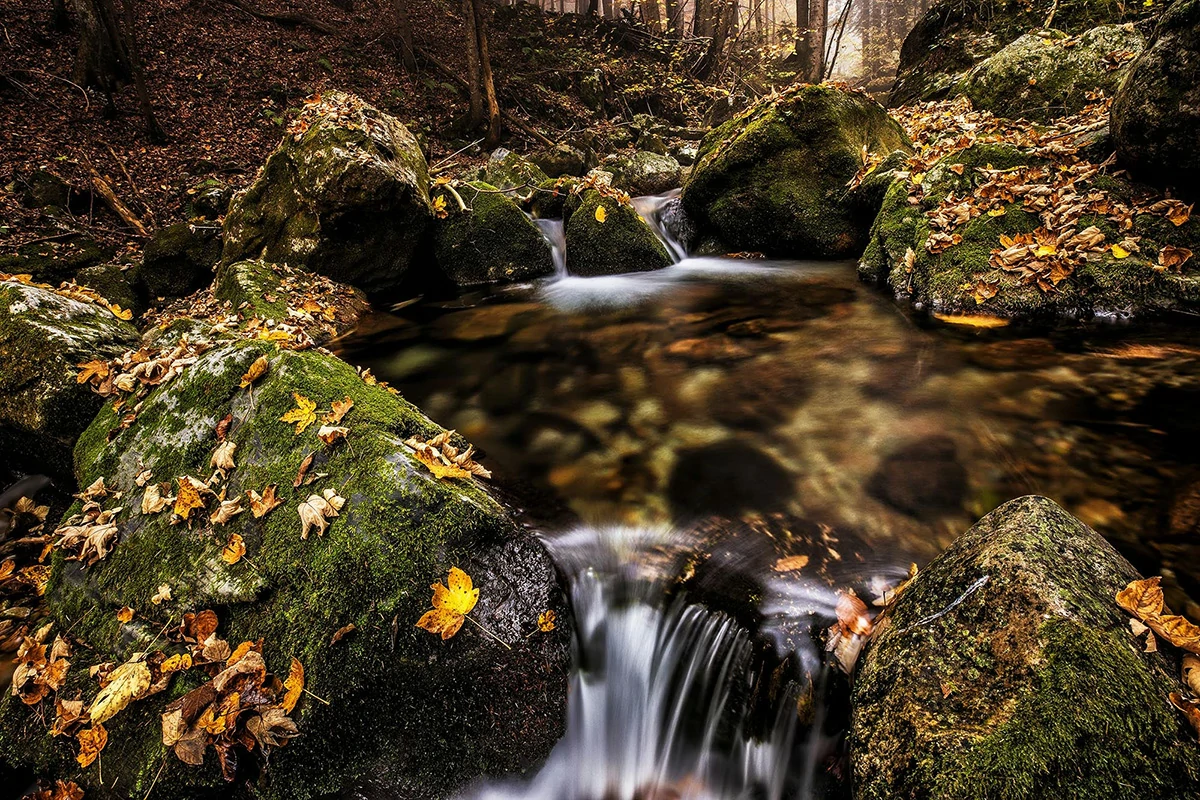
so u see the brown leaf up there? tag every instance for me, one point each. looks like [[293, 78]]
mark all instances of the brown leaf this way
[[304, 466], [1190, 709], [227, 510], [125, 614], [91, 742], [343, 632], [1191, 673], [256, 371], [791, 563], [852, 614], [261, 505], [329, 434], [234, 549], [294, 685], [317, 510], [339, 409], [223, 427], [222, 457]]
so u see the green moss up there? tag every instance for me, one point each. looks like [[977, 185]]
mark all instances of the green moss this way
[[491, 242], [118, 283], [622, 243], [508, 170], [180, 259], [55, 261], [550, 199]]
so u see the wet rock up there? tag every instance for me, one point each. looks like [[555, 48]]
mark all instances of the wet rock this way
[[623, 242], [922, 479], [728, 479], [258, 290], [508, 170], [118, 283], [1007, 687], [773, 179], [562, 159], [179, 259], [1156, 115], [945, 282], [644, 172], [492, 242], [383, 688], [549, 201], [43, 336], [347, 197], [1048, 74]]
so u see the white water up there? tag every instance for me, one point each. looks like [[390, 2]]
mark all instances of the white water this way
[[658, 697], [555, 236]]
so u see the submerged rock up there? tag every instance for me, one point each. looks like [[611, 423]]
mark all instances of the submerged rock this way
[[346, 194], [1156, 115], [612, 241], [179, 259], [961, 278], [43, 336], [644, 172], [1048, 74], [1006, 669], [493, 241], [393, 699], [773, 179]]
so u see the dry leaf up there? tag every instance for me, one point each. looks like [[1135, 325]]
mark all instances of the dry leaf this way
[[329, 434], [125, 614], [153, 501], [256, 371], [91, 742], [261, 505], [791, 563], [227, 510], [852, 614], [1191, 673], [601, 214], [342, 633], [450, 605], [1190, 709], [294, 685], [317, 510], [300, 473], [126, 683], [222, 457], [547, 621], [339, 409], [1171, 257], [443, 458], [303, 415], [189, 497], [234, 549], [1144, 599], [161, 595]]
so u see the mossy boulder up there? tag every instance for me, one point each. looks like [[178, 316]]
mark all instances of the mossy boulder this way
[[953, 36], [394, 700], [562, 159], [258, 290], [946, 282], [1156, 115], [118, 283], [623, 242], [56, 260], [43, 336], [179, 259], [507, 170], [493, 241], [43, 189], [207, 199], [1007, 670], [346, 195], [644, 172], [773, 179], [550, 199], [1047, 74]]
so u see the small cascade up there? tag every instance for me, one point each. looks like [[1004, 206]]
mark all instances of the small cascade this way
[[555, 234], [661, 699], [664, 214]]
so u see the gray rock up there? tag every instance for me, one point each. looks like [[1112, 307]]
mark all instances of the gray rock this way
[[492, 242], [179, 259]]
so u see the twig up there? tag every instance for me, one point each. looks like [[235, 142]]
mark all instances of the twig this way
[[128, 177], [288, 18], [314, 697], [110, 197], [446, 160], [156, 777], [86, 99], [489, 633]]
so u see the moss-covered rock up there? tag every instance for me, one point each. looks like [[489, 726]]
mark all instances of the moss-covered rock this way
[[394, 700], [1048, 74], [644, 172], [179, 259], [1007, 670], [954, 36], [1156, 115], [43, 336], [493, 241], [623, 242], [258, 290], [562, 159], [347, 196], [118, 283], [43, 189], [549, 201], [773, 179], [207, 199], [946, 282], [56, 260], [507, 170]]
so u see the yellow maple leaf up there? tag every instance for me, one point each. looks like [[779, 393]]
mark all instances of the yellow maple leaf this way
[[1119, 252], [450, 605], [303, 415], [601, 214], [188, 498], [439, 207]]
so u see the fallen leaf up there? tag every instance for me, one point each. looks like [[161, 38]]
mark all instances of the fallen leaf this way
[[1119, 252], [601, 214], [1171, 257], [234, 549], [1144, 599], [153, 501], [125, 614], [852, 614], [547, 621], [227, 510], [791, 563], [329, 434], [342, 633], [126, 683], [1190, 709], [91, 742], [293, 686], [450, 605], [1191, 673], [339, 409], [188, 498], [94, 369], [161, 595], [300, 473], [256, 371], [261, 505], [316, 511], [303, 415], [222, 457]]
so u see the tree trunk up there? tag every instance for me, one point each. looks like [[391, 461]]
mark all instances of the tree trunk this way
[[653, 13], [671, 9], [475, 114], [59, 20], [702, 18], [139, 78], [818, 18], [803, 40], [608, 9], [485, 74], [101, 61], [404, 34]]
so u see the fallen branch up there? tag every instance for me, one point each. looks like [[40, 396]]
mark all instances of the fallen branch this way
[[110, 198], [285, 18]]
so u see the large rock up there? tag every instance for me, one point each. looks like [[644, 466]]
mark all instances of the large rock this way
[[622, 242], [954, 36], [346, 194], [643, 172], [179, 259], [1007, 670], [492, 242], [1048, 74], [962, 278], [773, 179], [1156, 115], [562, 159], [43, 335], [256, 290], [508, 171], [393, 700]]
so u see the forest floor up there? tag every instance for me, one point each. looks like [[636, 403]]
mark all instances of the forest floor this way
[[225, 83]]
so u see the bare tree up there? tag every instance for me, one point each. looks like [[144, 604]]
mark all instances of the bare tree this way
[[404, 35]]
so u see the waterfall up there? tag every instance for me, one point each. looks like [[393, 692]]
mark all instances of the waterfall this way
[[660, 698], [555, 235], [664, 214]]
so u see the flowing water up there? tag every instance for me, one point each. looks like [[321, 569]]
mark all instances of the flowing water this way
[[709, 421]]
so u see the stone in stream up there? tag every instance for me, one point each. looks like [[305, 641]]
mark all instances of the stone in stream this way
[[643, 172], [43, 335], [493, 241], [1007, 670], [1048, 74], [949, 281], [508, 170], [773, 179], [562, 159], [1156, 115], [345, 194], [622, 242], [430, 715], [179, 259], [923, 479]]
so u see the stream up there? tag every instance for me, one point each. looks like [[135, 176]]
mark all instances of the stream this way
[[786, 400]]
